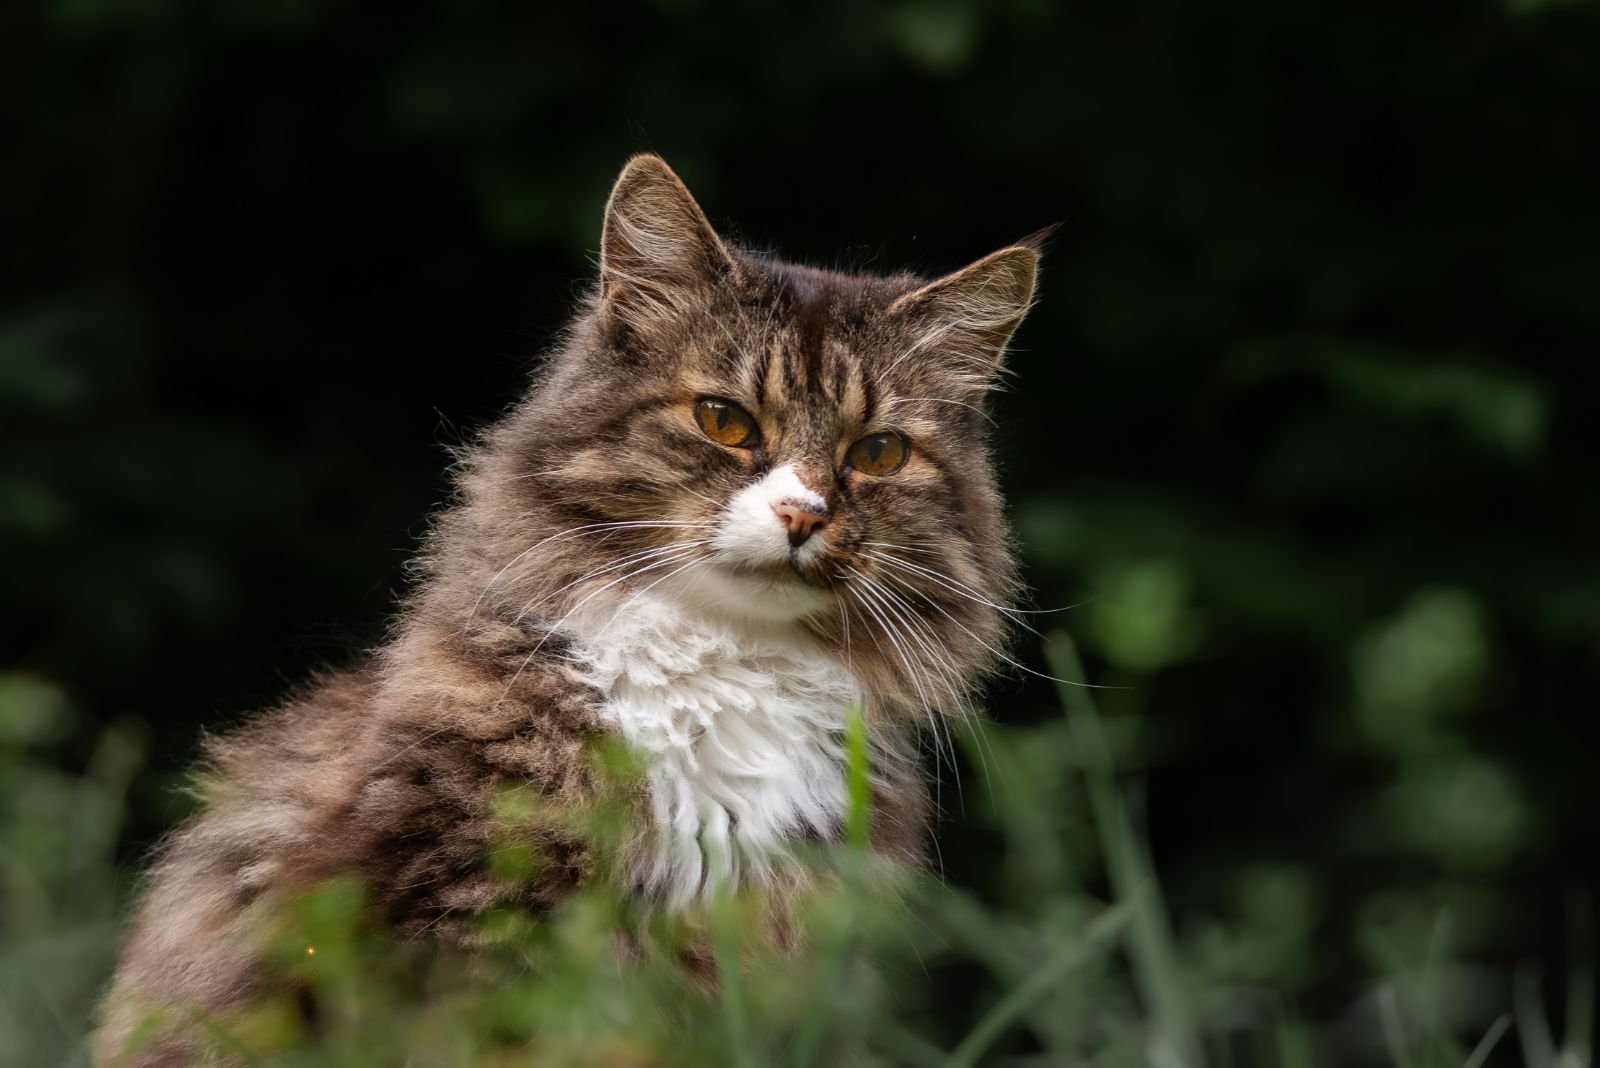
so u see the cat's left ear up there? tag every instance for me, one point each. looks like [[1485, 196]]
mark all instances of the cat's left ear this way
[[658, 254], [964, 320]]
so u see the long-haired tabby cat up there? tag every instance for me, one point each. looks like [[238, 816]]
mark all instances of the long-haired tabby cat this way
[[740, 498]]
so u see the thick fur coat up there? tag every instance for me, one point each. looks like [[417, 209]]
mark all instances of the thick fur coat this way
[[617, 565]]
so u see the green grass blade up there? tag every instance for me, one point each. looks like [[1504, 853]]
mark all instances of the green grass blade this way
[[1175, 1037], [227, 1039], [858, 824], [1533, 1026], [859, 821], [1020, 998], [734, 1018], [1491, 1038], [1578, 1039]]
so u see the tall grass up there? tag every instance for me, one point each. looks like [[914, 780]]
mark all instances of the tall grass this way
[[1070, 957]]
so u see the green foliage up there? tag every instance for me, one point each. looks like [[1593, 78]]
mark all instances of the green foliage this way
[[1079, 961], [59, 892], [1303, 423]]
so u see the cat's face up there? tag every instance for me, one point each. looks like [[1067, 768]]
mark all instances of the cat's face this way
[[793, 444]]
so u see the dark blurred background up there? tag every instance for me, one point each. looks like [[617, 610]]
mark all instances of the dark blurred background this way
[[1305, 416]]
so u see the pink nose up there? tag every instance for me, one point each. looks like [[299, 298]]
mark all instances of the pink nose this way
[[799, 520]]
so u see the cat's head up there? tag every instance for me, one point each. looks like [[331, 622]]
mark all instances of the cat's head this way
[[782, 442]]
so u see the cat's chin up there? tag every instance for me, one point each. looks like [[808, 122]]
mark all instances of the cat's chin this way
[[775, 594]]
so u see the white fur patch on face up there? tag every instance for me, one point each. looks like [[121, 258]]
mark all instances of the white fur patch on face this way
[[740, 721], [754, 542]]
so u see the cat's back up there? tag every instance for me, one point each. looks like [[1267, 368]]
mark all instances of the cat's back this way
[[267, 789], [292, 755]]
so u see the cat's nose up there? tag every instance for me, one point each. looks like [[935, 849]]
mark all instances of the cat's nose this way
[[800, 519]]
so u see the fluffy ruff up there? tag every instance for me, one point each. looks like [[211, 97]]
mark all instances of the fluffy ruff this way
[[741, 722]]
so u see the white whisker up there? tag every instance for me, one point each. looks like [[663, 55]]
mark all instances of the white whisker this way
[[697, 562], [919, 632], [631, 558], [573, 532], [1002, 656], [961, 706], [951, 584], [868, 600], [556, 626], [1013, 610]]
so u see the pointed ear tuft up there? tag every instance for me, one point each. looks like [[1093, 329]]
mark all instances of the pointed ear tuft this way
[[1039, 239], [968, 317], [656, 247]]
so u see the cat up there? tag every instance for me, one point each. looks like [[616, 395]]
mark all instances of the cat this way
[[740, 498]]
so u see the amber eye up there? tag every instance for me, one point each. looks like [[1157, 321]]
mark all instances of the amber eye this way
[[878, 454], [724, 422]]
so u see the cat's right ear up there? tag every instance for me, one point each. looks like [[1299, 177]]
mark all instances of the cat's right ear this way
[[659, 256], [968, 317]]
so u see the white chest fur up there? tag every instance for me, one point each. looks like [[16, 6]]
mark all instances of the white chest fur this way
[[741, 721]]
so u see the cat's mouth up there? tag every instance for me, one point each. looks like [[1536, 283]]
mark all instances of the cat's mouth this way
[[802, 569], [789, 572], [773, 590]]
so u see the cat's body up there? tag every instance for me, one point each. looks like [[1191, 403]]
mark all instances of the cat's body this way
[[619, 565]]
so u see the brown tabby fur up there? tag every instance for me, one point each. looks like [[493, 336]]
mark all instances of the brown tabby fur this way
[[389, 770]]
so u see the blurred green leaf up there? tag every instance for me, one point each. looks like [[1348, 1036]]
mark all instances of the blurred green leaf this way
[[1426, 662], [1140, 615], [1495, 407], [938, 35]]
